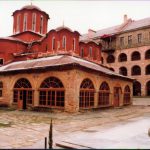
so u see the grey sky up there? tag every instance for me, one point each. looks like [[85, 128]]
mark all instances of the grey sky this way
[[78, 15]]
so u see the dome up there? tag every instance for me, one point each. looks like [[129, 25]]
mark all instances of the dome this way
[[30, 7], [63, 27]]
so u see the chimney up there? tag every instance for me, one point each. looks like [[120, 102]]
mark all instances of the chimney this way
[[91, 32], [125, 18]]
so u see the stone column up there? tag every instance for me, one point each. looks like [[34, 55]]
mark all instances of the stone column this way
[[35, 97]]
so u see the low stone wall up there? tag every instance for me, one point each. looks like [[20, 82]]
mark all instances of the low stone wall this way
[[141, 101]]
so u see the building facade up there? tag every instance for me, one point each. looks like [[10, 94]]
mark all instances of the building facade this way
[[55, 69], [126, 50]]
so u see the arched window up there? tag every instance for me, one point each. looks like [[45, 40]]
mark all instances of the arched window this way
[[33, 21], [41, 24], [52, 93], [82, 52], [90, 51], [53, 43], [123, 71], [1, 88], [18, 23], [122, 57], [148, 88], [147, 54], [147, 70], [25, 22], [136, 88], [64, 42], [126, 96], [74, 44], [135, 56], [23, 92], [86, 94], [136, 70], [110, 59], [104, 92]]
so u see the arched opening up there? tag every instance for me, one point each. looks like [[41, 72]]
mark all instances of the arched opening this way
[[64, 42], [147, 54], [86, 94], [123, 71], [23, 93], [110, 59], [122, 57], [136, 70], [135, 56], [136, 88], [148, 88], [104, 92], [112, 69], [52, 93], [147, 70], [126, 96]]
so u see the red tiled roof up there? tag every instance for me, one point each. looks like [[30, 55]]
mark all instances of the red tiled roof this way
[[58, 60]]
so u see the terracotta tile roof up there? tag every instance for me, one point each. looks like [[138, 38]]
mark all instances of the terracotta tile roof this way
[[57, 60]]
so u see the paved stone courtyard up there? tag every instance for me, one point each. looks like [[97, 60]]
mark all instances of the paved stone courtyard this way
[[26, 129]]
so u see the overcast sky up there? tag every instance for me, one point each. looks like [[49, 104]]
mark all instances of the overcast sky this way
[[78, 15]]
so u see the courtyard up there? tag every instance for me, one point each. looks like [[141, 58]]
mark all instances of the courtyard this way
[[106, 128]]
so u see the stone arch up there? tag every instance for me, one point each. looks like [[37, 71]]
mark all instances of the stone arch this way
[[110, 59], [147, 54], [136, 70], [122, 57], [123, 71], [135, 56], [147, 70], [148, 88]]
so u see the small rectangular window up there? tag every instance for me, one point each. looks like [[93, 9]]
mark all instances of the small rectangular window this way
[[129, 39], [121, 41], [1, 62], [139, 38]]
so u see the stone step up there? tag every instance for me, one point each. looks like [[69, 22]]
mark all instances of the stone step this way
[[69, 145]]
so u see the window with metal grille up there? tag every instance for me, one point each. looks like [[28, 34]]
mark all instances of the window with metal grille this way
[[52, 93], [126, 96], [135, 56], [104, 92], [122, 57], [136, 70], [86, 99]]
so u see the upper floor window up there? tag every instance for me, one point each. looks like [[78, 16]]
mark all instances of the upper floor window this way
[[122, 57], [90, 51], [82, 52], [64, 42], [74, 44], [33, 21], [129, 39], [18, 23], [136, 70], [147, 54], [25, 22], [139, 38], [53, 43], [1, 61], [41, 25], [121, 41], [1, 88]]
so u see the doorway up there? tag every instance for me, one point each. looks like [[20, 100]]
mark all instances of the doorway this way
[[117, 96]]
